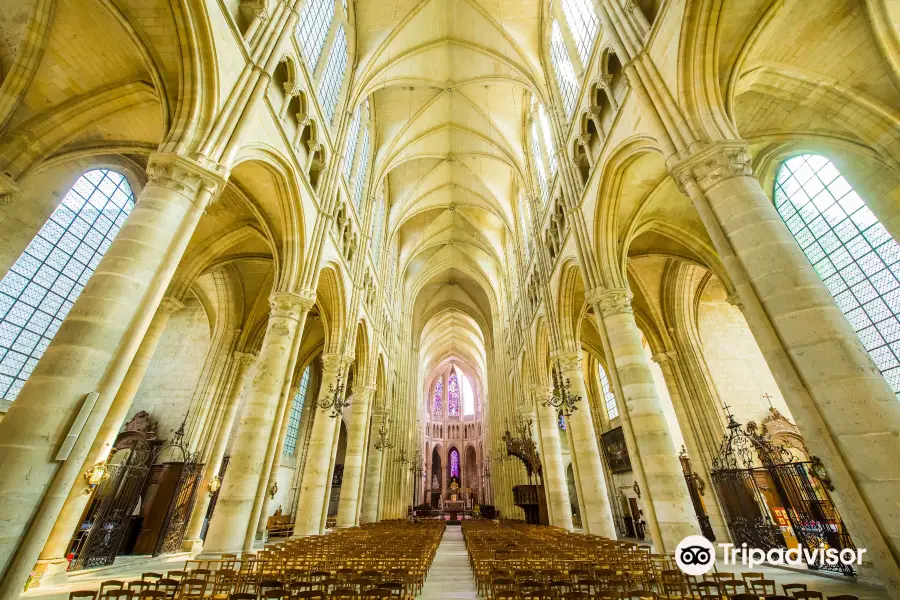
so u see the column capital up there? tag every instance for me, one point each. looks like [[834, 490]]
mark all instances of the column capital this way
[[735, 300], [170, 304], [664, 357], [569, 361], [710, 164], [244, 358], [334, 361], [363, 390], [611, 302], [541, 390], [185, 175], [288, 305]]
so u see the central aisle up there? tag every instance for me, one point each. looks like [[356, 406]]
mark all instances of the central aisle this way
[[450, 575]]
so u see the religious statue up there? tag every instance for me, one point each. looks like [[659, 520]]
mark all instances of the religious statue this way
[[454, 491]]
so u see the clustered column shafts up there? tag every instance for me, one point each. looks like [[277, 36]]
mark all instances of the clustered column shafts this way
[[559, 504]]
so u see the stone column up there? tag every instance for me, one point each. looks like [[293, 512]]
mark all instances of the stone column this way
[[312, 501], [372, 488], [670, 512], [51, 568], [246, 470], [91, 352], [558, 500], [596, 514], [849, 416], [699, 461], [357, 421], [242, 367]]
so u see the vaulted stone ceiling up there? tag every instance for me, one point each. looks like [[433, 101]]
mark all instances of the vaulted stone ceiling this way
[[450, 82]]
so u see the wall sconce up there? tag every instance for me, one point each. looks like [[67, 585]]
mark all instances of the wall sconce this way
[[95, 476], [214, 484]]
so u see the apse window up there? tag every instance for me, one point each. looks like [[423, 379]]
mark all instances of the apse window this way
[[43, 284], [468, 397], [852, 252], [293, 430]]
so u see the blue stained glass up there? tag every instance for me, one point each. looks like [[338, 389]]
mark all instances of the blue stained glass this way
[[40, 288], [437, 409], [453, 394], [454, 463]]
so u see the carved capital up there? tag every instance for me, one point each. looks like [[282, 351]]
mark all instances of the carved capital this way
[[333, 362], [569, 361], [244, 359], [611, 302], [711, 164], [183, 175], [288, 305], [735, 300], [663, 357], [170, 304]]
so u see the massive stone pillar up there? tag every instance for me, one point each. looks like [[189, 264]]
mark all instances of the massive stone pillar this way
[[242, 363], [849, 416], [669, 513], [259, 422], [315, 482], [91, 352], [357, 420], [596, 514], [371, 489], [51, 568], [559, 504]]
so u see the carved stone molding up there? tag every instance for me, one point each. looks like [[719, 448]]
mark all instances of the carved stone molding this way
[[662, 357], [735, 300], [170, 304], [183, 175], [244, 358], [569, 361], [711, 164], [288, 305], [611, 302]]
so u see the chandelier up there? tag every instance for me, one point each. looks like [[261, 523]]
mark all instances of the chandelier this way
[[522, 446], [415, 465], [382, 442], [334, 399], [401, 457], [561, 398]]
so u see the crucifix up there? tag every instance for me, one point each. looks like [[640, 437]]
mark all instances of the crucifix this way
[[768, 399]]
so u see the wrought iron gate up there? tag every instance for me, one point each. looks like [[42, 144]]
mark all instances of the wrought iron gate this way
[[178, 515], [769, 495], [106, 521], [695, 488], [214, 499]]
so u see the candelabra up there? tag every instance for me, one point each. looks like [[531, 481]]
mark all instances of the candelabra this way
[[401, 457], [382, 442], [562, 399], [335, 399]]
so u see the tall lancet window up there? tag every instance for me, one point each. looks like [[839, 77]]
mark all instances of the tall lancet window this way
[[437, 403], [582, 21], [454, 463], [315, 19], [468, 397], [333, 77], [453, 394], [43, 284], [852, 252], [293, 430], [563, 69], [612, 410]]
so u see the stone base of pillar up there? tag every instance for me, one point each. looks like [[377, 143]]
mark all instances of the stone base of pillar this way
[[192, 546], [50, 572]]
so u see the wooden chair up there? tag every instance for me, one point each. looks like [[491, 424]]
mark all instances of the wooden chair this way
[[276, 594], [108, 585], [375, 594], [732, 587], [709, 590], [641, 594], [83, 595], [242, 596], [154, 577], [168, 586], [763, 587], [192, 589], [744, 597], [310, 595], [843, 597], [750, 576], [576, 596], [118, 594], [790, 588], [152, 595], [395, 588], [808, 595], [139, 585]]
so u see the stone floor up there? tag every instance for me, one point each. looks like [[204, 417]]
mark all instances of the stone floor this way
[[450, 575]]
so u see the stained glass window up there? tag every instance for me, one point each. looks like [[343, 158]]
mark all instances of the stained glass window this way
[[539, 163], [561, 421], [378, 228], [453, 394], [852, 252], [611, 408], [437, 408], [315, 19], [333, 77], [549, 146], [524, 219], [468, 397], [454, 463], [43, 284], [293, 430], [583, 23], [562, 67]]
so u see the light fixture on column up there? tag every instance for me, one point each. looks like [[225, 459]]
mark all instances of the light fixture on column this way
[[561, 398], [96, 475], [382, 442], [486, 466], [335, 400], [401, 457], [214, 484], [415, 465]]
